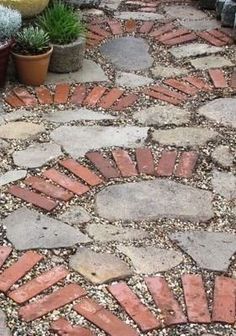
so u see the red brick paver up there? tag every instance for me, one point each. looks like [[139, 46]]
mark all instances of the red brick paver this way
[[233, 80], [181, 86], [14, 101], [186, 164], [162, 93], [61, 93], [162, 30], [44, 95], [125, 102], [197, 82], [103, 165], [110, 98], [181, 39], [94, 96], [115, 27], [25, 96], [207, 36], [130, 26], [78, 95], [99, 31], [146, 27], [5, 251], [218, 78], [63, 327], [167, 163], [145, 161], [124, 163]]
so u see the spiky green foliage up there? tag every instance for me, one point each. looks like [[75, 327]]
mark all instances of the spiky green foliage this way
[[10, 23]]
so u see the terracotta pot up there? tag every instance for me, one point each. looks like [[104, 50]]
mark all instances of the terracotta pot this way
[[32, 70], [4, 58]]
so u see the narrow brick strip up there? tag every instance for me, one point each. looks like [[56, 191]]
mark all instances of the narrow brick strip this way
[[63, 327], [162, 30], [211, 39], [125, 102], [103, 318], [92, 36], [16, 271], [220, 35], [32, 197], [78, 95], [62, 92], [233, 79], [44, 95], [145, 161], [98, 30], [124, 163], [115, 27], [130, 26], [82, 172], [146, 27], [66, 182], [166, 163], [224, 300], [169, 93], [5, 251], [14, 101], [163, 97], [181, 39], [47, 188], [197, 82], [195, 299], [38, 284], [25, 96], [47, 304], [181, 86], [110, 98], [186, 164], [134, 307], [218, 78], [172, 34], [94, 96], [165, 301], [103, 165]]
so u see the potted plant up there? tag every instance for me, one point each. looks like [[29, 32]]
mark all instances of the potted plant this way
[[31, 55], [10, 22], [67, 35]]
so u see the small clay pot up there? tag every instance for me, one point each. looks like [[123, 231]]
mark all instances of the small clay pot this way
[[4, 59], [32, 70]]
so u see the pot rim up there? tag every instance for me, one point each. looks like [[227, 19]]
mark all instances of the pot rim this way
[[79, 40], [33, 56]]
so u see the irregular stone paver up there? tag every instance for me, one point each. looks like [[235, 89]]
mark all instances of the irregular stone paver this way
[[28, 229], [167, 71], [36, 155], [76, 115], [4, 330], [163, 115], [224, 184], [142, 16], [99, 267], [210, 250], [223, 156], [95, 137], [2, 120], [108, 232], [197, 49], [20, 130], [184, 136], [151, 200], [75, 215], [207, 62], [200, 25], [221, 110], [111, 4], [3, 145], [12, 176], [131, 80], [185, 12], [17, 115], [127, 53], [90, 72], [149, 260]]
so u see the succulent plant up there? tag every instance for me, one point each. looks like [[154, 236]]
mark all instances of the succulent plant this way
[[10, 23]]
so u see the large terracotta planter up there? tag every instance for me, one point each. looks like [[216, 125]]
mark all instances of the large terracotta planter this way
[[27, 8], [4, 58], [32, 70]]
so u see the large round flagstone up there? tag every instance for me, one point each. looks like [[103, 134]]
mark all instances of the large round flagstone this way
[[128, 53]]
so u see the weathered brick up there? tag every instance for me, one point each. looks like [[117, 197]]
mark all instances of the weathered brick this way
[[134, 307], [94, 96], [110, 98], [63, 327], [92, 36], [224, 300], [32, 197], [181, 39], [103, 318], [195, 299], [162, 30], [146, 27], [211, 39], [163, 97], [97, 30], [148, 9], [125, 101], [17, 270], [124, 163], [181, 86], [44, 95], [25, 96], [5, 251], [186, 165], [115, 27], [166, 163], [197, 82], [78, 95], [167, 92], [130, 26], [66, 182], [82, 172], [173, 34], [57, 299], [145, 161], [221, 36], [38, 284], [62, 92], [14, 101], [165, 301], [48, 189], [218, 78], [103, 165]]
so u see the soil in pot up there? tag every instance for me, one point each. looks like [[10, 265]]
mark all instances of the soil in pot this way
[[4, 58]]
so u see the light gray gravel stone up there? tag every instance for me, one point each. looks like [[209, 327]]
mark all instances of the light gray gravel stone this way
[[200, 25], [20, 130], [197, 49], [27, 229], [12, 176], [208, 62], [131, 80], [160, 71], [75, 215], [150, 260], [185, 12], [4, 330], [223, 156], [36, 155], [111, 4], [224, 184], [141, 16], [151, 200], [99, 267], [210, 250], [3, 145], [95, 137], [17, 115], [184, 136]]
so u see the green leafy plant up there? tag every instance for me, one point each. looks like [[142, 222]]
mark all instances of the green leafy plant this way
[[10, 23], [32, 41], [62, 23]]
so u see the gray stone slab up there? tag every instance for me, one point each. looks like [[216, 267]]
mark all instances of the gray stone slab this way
[[127, 53], [221, 110], [108, 232], [184, 136], [2, 120], [223, 156], [151, 200], [160, 71], [12, 176], [99, 267], [224, 184], [3, 145], [150, 260], [132, 80], [28, 229], [200, 25], [4, 330], [110, 4], [90, 72], [76, 115], [20, 130], [210, 250], [195, 49], [162, 115], [95, 137], [141, 16], [185, 12], [208, 62], [75, 215], [36, 155], [17, 115]]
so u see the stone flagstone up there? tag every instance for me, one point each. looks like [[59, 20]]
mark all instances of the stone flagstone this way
[[27, 229], [151, 200], [195, 49], [224, 184], [17, 115], [149, 260], [210, 250], [208, 62], [4, 330], [131, 80], [111, 4], [99, 267], [160, 71], [185, 12], [20, 130], [12, 176], [36, 155], [95, 137], [223, 156], [3, 145], [75, 215], [141, 16], [200, 25], [108, 232]]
